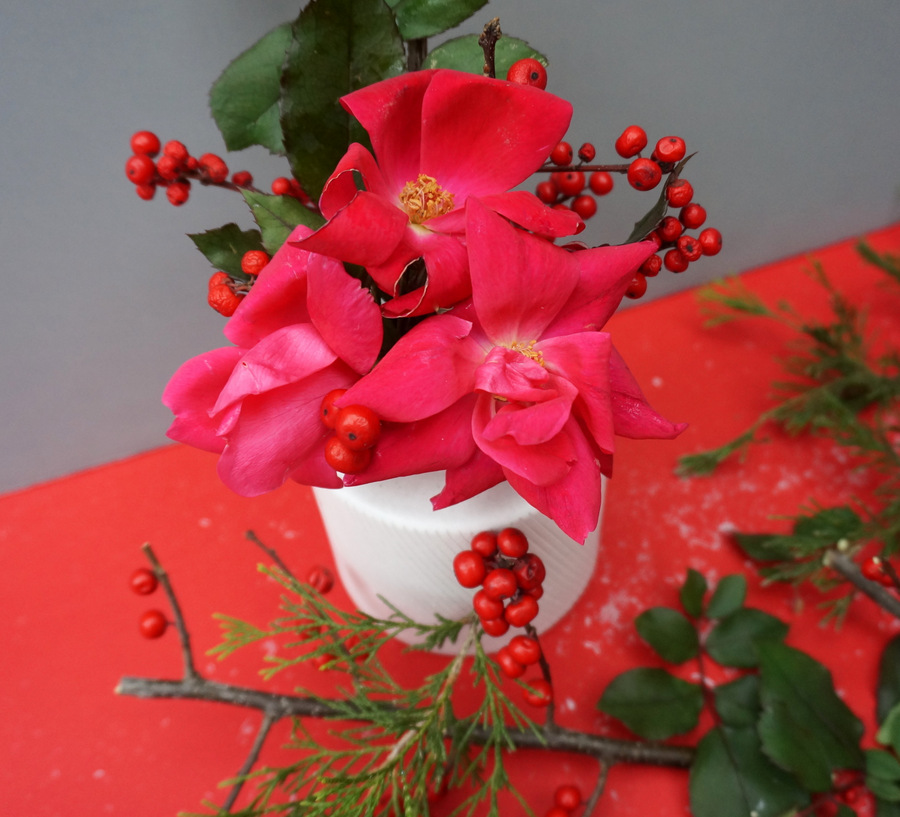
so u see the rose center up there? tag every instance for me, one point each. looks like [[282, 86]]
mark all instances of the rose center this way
[[528, 350], [425, 198]]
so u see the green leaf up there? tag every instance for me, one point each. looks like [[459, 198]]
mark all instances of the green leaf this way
[[827, 527], [337, 46], [884, 808], [805, 727], [464, 54], [732, 642], [277, 216], [652, 703], [882, 765], [669, 633], [225, 246], [764, 547], [244, 100], [425, 18], [692, 592], [737, 702], [888, 679], [889, 731], [728, 597], [731, 777], [654, 215]]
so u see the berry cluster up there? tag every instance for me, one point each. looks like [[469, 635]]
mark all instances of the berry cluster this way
[[226, 291], [175, 169], [356, 430], [152, 623], [566, 799]]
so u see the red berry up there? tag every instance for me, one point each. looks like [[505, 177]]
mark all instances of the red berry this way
[[512, 543], [528, 72], [282, 186], [508, 664], [570, 183], [585, 206], [710, 241], [689, 247], [321, 579], [500, 583], [214, 167], [222, 298], [547, 191], [561, 155], [587, 152], [540, 694], [168, 168], [637, 287], [145, 142], [525, 649], [145, 191], [485, 543], [692, 215], [495, 626], [176, 150], [153, 624], [329, 411], [140, 169], [556, 811], [679, 192], [177, 193], [485, 607], [567, 797], [469, 568], [669, 149], [521, 612], [651, 266], [357, 427], [601, 182], [632, 141], [644, 174], [535, 592], [529, 571], [674, 261], [873, 570], [253, 261], [344, 459], [219, 278], [242, 178], [143, 581], [669, 229]]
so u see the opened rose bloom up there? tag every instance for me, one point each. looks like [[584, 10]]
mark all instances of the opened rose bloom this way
[[438, 137], [305, 328], [517, 383]]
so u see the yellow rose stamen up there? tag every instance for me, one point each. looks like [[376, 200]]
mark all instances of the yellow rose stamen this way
[[528, 350], [425, 198]]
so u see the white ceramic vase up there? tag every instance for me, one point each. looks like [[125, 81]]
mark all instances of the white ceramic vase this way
[[389, 543]]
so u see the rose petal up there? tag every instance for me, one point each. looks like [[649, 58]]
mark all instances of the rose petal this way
[[477, 474], [632, 414], [528, 211]]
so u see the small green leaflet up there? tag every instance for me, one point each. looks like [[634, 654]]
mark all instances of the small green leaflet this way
[[425, 18], [464, 54], [277, 216], [225, 247]]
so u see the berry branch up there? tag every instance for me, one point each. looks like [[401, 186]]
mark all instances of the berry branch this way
[[488, 42]]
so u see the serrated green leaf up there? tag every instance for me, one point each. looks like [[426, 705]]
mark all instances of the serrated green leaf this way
[[889, 731], [277, 216], [669, 633], [225, 246], [244, 100], [692, 592], [337, 46], [805, 727], [737, 702], [425, 18], [731, 777], [888, 691], [732, 642], [764, 547], [728, 596], [653, 703], [464, 54]]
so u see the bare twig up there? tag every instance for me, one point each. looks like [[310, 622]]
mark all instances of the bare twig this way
[[591, 802], [415, 53], [549, 722], [844, 565], [488, 43], [268, 722], [272, 554]]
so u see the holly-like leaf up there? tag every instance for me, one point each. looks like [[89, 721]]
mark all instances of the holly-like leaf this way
[[728, 596], [337, 46], [425, 18], [737, 702], [278, 215], [464, 54], [732, 642], [225, 246], [244, 100], [731, 777], [653, 703], [692, 592], [805, 727], [669, 633], [888, 679]]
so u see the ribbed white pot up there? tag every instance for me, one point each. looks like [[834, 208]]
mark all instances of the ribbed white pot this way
[[388, 542]]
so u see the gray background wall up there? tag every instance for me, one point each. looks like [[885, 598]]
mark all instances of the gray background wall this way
[[792, 105]]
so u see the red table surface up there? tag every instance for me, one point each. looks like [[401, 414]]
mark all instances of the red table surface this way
[[71, 746]]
